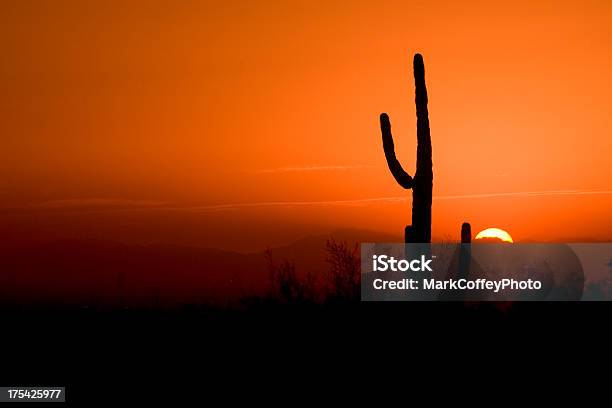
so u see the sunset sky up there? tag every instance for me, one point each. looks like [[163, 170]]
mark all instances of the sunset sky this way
[[245, 124]]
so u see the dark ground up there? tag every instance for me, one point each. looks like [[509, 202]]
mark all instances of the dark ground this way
[[195, 351]]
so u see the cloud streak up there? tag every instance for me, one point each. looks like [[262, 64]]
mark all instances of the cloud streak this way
[[398, 199], [315, 168], [525, 194], [97, 203], [119, 204]]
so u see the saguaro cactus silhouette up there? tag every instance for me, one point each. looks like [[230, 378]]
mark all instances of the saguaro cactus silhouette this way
[[466, 233], [422, 183]]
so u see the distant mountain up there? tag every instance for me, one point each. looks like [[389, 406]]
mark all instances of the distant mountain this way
[[96, 272]]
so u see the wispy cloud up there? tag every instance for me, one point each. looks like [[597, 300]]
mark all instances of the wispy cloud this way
[[314, 168], [119, 204], [395, 199], [525, 194], [325, 203], [97, 203]]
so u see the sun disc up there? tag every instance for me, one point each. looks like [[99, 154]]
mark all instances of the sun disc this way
[[495, 233]]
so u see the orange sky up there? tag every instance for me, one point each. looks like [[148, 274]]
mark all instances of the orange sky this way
[[153, 119]]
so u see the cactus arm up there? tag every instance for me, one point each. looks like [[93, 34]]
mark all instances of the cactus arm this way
[[402, 178]]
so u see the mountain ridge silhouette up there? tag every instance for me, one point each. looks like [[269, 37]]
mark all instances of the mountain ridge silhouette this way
[[110, 273]]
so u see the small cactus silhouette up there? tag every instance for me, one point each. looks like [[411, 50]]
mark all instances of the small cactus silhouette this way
[[422, 183], [466, 233], [465, 254]]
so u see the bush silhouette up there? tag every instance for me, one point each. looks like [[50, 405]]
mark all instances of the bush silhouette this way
[[286, 286], [341, 282], [344, 278]]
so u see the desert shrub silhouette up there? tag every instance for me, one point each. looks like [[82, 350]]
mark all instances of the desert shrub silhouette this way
[[340, 283], [286, 285], [344, 277]]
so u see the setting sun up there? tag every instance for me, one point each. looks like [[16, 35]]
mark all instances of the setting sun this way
[[494, 233]]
